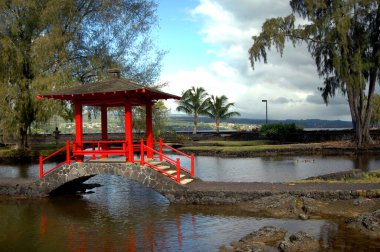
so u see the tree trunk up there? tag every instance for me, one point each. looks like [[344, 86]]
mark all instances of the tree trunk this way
[[195, 123], [22, 139], [26, 145], [360, 114], [217, 125]]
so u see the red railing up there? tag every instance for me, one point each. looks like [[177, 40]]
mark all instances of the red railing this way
[[162, 157], [177, 163], [43, 159], [106, 148], [162, 145]]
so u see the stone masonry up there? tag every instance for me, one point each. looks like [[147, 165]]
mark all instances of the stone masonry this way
[[80, 172]]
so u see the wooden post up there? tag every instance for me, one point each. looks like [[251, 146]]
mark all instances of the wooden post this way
[[128, 129], [104, 125], [178, 166], [149, 129], [78, 130], [41, 168], [192, 165]]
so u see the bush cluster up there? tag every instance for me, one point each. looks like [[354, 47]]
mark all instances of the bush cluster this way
[[279, 131]]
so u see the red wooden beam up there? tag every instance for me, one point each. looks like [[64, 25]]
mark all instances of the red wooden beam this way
[[104, 124], [79, 128], [149, 128], [128, 129]]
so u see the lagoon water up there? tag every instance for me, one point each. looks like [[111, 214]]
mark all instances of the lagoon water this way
[[257, 169], [125, 216]]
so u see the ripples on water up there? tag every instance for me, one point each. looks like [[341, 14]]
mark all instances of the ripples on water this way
[[277, 168], [261, 169], [125, 216]]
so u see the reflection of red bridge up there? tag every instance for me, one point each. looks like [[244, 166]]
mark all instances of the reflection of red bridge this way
[[150, 237]]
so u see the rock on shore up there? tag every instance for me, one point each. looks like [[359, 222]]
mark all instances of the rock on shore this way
[[299, 207], [366, 223], [299, 241], [271, 238], [264, 239]]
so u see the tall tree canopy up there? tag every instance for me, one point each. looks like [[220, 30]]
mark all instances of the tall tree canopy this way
[[375, 118], [47, 44], [219, 109], [159, 116], [343, 38], [195, 102]]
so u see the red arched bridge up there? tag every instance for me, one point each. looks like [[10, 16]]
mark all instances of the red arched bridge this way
[[150, 155], [159, 171]]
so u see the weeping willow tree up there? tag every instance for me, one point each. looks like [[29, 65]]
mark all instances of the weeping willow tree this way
[[47, 45], [343, 38]]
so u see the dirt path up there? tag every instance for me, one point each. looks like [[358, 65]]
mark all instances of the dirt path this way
[[279, 187]]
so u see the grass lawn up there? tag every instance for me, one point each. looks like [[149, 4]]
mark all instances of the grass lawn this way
[[34, 151], [235, 146], [16, 154], [46, 146], [235, 143]]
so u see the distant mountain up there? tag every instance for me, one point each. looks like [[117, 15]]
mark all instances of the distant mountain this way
[[306, 123]]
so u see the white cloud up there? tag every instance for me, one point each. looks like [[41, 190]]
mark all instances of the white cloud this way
[[289, 83]]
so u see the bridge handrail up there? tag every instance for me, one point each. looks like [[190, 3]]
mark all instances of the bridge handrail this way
[[177, 162], [144, 148], [104, 141], [161, 145], [43, 159], [98, 143], [173, 149]]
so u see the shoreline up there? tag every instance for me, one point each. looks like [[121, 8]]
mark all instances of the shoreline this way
[[294, 149], [360, 217], [347, 204], [201, 149]]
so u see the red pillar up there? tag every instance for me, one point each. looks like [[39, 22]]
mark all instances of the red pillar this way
[[149, 129], [104, 123], [78, 129], [128, 130]]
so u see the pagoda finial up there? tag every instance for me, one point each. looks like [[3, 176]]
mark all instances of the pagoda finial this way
[[114, 73]]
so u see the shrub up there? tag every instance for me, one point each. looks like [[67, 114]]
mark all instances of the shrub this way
[[279, 131]]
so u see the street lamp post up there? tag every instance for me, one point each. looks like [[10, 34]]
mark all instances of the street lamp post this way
[[266, 111]]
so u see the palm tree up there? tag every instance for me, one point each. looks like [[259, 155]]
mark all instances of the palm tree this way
[[219, 109], [194, 102]]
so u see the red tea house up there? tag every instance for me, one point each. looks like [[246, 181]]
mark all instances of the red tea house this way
[[114, 92]]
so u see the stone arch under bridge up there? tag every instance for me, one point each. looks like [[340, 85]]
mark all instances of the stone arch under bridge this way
[[76, 173]]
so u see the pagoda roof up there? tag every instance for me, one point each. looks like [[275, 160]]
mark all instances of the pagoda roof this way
[[109, 92]]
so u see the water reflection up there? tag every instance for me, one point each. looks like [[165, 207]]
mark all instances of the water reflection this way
[[125, 216], [23, 170], [264, 169], [363, 162], [278, 169], [122, 219]]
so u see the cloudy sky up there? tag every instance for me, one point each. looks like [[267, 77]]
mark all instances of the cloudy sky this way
[[207, 43]]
